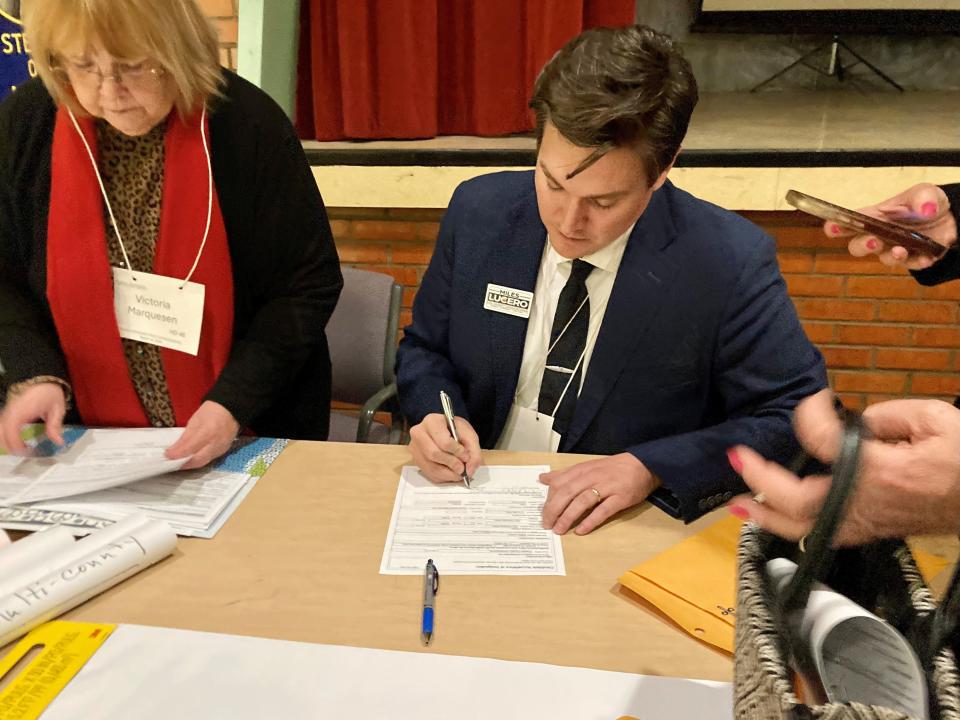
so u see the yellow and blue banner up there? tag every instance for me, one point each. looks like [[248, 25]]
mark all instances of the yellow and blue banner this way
[[16, 66]]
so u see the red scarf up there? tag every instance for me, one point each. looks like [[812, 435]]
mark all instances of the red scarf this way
[[80, 280]]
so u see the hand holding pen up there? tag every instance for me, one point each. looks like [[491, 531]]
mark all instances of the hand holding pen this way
[[452, 428], [444, 455]]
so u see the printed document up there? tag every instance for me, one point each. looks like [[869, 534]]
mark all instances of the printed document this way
[[187, 500], [491, 528], [98, 459], [193, 502]]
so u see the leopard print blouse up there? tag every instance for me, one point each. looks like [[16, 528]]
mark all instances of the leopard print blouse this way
[[132, 171]]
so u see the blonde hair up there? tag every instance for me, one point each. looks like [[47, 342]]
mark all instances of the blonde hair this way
[[174, 33]]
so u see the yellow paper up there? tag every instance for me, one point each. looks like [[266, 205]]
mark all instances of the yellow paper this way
[[67, 646], [694, 582], [929, 565]]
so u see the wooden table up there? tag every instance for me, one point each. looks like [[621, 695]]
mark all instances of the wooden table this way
[[300, 560]]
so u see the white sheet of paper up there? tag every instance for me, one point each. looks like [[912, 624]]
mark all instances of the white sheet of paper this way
[[491, 528], [99, 459], [152, 673]]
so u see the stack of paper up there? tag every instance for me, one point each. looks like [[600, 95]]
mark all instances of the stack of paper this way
[[96, 459], [95, 481], [46, 574]]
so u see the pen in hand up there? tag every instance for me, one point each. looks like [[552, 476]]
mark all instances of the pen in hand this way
[[431, 583], [451, 426]]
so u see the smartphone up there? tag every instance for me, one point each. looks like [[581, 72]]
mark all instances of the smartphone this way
[[890, 233]]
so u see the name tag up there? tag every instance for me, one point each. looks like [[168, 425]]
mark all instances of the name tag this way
[[507, 300], [154, 309]]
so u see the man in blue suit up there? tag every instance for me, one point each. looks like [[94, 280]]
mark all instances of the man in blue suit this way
[[590, 306]]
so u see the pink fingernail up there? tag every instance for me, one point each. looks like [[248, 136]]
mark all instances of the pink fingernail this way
[[872, 244], [740, 511], [834, 229], [734, 459], [928, 209]]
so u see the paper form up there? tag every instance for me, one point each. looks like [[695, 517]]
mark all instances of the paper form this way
[[193, 498], [492, 528], [99, 459], [194, 502]]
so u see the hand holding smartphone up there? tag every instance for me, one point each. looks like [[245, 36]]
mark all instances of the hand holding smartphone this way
[[889, 233]]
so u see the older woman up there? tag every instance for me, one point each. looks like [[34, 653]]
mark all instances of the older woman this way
[[165, 256]]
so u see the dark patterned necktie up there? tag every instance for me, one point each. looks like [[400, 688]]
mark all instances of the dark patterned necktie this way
[[570, 325]]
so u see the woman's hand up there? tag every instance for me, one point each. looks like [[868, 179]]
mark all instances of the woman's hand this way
[[43, 402], [909, 480], [924, 208], [208, 435]]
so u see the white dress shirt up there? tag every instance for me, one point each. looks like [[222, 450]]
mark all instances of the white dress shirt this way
[[553, 275]]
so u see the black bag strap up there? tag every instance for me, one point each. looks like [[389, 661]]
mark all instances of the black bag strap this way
[[941, 628], [818, 555]]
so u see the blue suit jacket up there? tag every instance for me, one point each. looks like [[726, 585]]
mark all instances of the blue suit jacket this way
[[700, 347]]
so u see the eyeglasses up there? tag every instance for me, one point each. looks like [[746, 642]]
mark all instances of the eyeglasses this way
[[142, 76]]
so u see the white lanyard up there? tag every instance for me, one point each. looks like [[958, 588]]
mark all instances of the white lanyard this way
[[116, 227], [550, 350], [567, 386]]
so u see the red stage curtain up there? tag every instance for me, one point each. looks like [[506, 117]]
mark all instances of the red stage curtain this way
[[420, 68]]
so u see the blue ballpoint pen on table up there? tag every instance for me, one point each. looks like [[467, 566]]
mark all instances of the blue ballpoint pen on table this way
[[431, 583], [451, 426]]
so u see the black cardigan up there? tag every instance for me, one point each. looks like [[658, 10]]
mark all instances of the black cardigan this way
[[285, 267], [947, 267]]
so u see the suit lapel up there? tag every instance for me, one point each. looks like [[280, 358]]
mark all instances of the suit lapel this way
[[639, 291], [514, 262]]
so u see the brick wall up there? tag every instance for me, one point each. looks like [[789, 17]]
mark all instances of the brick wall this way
[[882, 334], [224, 15]]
